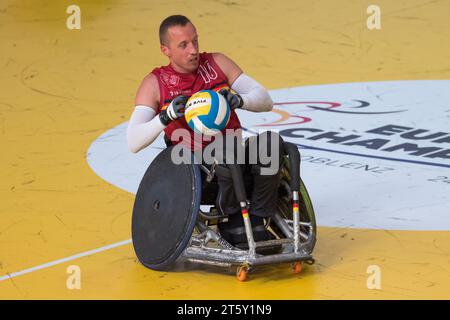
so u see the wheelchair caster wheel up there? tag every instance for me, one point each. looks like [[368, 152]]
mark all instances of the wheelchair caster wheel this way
[[297, 267], [241, 272]]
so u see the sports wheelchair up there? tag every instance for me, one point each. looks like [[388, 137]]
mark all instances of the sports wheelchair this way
[[169, 224]]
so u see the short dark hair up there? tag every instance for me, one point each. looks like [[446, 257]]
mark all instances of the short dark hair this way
[[171, 21]]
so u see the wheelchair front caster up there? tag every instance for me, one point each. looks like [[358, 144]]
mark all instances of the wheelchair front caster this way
[[241, 272], [297, 266]]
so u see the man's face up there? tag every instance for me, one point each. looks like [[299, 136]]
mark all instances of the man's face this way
[[182, 48]]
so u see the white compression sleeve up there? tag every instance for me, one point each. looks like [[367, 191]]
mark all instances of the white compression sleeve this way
[[255, 96], [143, 128]]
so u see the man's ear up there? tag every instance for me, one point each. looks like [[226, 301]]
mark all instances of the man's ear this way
[[165, 50]]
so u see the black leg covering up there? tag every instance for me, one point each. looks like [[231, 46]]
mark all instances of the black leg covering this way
[[262, 177], [266, 173]]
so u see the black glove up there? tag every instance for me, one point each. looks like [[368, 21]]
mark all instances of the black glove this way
[[234, 100], [174, 111]]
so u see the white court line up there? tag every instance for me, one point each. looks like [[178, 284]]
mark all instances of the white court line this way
[[53, 263]]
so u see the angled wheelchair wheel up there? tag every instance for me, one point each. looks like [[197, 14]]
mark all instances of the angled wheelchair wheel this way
[[165, 211], [307, 216]]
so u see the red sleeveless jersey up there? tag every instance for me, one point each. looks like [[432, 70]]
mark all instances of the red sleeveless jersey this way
[[172, 84]]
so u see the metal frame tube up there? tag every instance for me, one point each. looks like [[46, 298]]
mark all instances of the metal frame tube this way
[[282, 224], [296, 218], [223, 257], [248, 229]]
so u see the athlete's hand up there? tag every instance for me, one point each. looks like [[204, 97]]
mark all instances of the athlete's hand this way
[[174, 111], [234, 100]]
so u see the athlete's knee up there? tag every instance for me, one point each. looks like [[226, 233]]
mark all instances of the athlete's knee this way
[[266, 151]]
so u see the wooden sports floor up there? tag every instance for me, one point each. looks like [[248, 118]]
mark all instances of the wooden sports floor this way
[[61, 89]]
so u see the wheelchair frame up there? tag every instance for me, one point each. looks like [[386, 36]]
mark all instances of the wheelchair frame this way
[[297, 245]]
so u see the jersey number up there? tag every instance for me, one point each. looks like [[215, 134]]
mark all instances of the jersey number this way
[[207, 72]]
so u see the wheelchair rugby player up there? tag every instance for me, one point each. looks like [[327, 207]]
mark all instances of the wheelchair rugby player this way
[[260, 211]]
